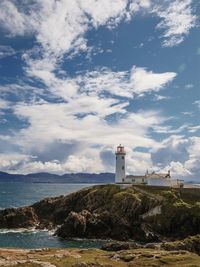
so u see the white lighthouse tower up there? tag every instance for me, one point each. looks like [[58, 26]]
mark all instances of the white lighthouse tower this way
[[120, 172]]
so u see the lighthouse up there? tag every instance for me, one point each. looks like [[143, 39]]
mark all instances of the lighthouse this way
[[120, 172]]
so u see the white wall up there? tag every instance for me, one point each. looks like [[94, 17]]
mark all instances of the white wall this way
[[120, 171], [136, 179], [161, 181]]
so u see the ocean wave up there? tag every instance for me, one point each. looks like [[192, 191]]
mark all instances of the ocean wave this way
[[24, 231]]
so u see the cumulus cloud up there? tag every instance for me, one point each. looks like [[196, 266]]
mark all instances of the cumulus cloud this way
[[179, 154], [12, 161], [172, 149], [77, 131], [138, 162], [50, 122]]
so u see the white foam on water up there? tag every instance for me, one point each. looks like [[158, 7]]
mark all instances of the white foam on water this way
[[22, 230]]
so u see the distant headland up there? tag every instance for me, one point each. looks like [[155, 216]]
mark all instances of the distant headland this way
[[68, 178]]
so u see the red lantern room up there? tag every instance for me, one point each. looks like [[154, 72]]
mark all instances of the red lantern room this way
[[120, 150]]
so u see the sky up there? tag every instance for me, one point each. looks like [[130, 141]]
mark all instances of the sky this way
[[78, 78]]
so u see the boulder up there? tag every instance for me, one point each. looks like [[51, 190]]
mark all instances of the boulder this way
[[74, 226], [116, 246]]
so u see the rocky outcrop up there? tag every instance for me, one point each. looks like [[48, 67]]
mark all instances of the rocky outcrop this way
[[107, 211], [85, 224], [18, 218], [116, 246], [191, 244]]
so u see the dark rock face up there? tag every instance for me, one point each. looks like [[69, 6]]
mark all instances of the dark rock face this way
[[18, 218], [74, 226], [106, 211], [84, 224]]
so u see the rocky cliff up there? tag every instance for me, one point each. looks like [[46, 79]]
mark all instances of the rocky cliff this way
[[108, 211]]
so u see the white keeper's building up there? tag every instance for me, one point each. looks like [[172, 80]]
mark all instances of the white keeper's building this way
[[155, 179]]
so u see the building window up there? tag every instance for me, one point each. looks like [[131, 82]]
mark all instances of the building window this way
[[122, 167]]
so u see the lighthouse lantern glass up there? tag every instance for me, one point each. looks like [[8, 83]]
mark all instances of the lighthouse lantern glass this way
[[120, 149]]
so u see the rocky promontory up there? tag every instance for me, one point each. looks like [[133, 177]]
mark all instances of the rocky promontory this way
[[141, 213]]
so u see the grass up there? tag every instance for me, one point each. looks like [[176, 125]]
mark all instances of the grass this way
[[99, 258]]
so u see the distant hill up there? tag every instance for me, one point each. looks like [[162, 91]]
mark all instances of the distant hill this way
[[45, 177]]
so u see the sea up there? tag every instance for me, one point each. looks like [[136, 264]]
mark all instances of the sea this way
[[22, 194]]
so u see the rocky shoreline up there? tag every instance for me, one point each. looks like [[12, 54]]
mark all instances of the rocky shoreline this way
[[144, 214], [154, 226]]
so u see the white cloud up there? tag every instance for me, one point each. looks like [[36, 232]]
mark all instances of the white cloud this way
[[177, 19], [12, 161], [136, 6], [59, 26], [178, 170], [38, 166], [6, 51], [161, 97], [189, 86], [83, 122], [104, 11], [197, 103], [167, 129], [145, 81], [193, 129], [4, 104], [136, 81], [188, 113], [11, 19], [125, 83], [80, 124], [179, 154], [91, 114], [138, 162], [89, 162]]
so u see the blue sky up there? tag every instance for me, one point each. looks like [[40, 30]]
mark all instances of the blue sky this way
[[79, 77]]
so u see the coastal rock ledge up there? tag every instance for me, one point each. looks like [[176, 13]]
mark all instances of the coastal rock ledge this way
[[141, 213]]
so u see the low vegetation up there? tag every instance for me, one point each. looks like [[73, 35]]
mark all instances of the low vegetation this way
[[97, 258]]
